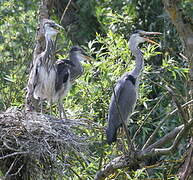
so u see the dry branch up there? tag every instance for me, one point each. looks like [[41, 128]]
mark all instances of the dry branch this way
[[133, 159], [185, 172]]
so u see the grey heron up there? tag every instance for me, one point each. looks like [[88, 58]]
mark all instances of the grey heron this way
[[124, 97], [50, 79], [67, 72]]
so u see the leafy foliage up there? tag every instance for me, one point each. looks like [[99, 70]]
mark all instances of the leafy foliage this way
[[16, 45]]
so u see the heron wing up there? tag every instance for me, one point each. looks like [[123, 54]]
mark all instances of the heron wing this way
[[124, 97], [62, 75], [125, 84], [122, 103], [33, 78], [68, 62]]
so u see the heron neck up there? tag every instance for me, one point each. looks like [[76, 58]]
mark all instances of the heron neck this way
[[49, 50], [77, 70], [139, 62]]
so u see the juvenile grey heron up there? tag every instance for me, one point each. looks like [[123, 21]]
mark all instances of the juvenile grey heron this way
[[67, 72], [50, 79], [124, 97]]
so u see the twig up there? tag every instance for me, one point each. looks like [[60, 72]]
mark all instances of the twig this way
[[117, 163], [187, 166], [166, 139], [63, 14], [8, 147], [7, 173], [13, 154], [19, 169], [9, 170], [152, 150], [62, 17], [101, 154]]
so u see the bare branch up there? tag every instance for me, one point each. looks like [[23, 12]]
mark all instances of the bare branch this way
[[180, 130], [13, 154], [10, 168], [63, 14], [166, 139], [117, 163], [19, 169], [136, 158], [187, 168]]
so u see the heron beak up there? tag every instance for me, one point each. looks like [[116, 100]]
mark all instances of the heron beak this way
[[151, 41], [151, 33], [58, 27], [148, 39], [88, 58], [85, 56]]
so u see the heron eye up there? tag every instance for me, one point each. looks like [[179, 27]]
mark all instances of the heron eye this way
[[136, 31], [52, 25]]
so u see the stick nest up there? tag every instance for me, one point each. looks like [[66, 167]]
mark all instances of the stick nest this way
[[33, 146]]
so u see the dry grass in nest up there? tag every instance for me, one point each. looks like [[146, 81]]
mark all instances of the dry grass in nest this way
[[31, 144]]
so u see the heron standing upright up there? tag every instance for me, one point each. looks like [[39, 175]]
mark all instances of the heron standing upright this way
[[50, 79], [124, 97], [67, 72]]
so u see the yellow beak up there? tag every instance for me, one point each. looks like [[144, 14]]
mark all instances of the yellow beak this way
[[151, 41]]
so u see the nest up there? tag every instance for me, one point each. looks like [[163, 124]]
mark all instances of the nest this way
[[31, 144]]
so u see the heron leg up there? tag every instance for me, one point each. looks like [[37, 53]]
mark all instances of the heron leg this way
[[41, 106], [50, 107], [62, 113]]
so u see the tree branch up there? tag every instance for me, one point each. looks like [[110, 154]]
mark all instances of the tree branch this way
[[134, 159], [151, 151], [184, 26], [117, 163], [187, 168]]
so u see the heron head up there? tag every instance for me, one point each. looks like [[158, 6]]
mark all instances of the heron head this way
[[80, 53], [140, 36], [50, 27]]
